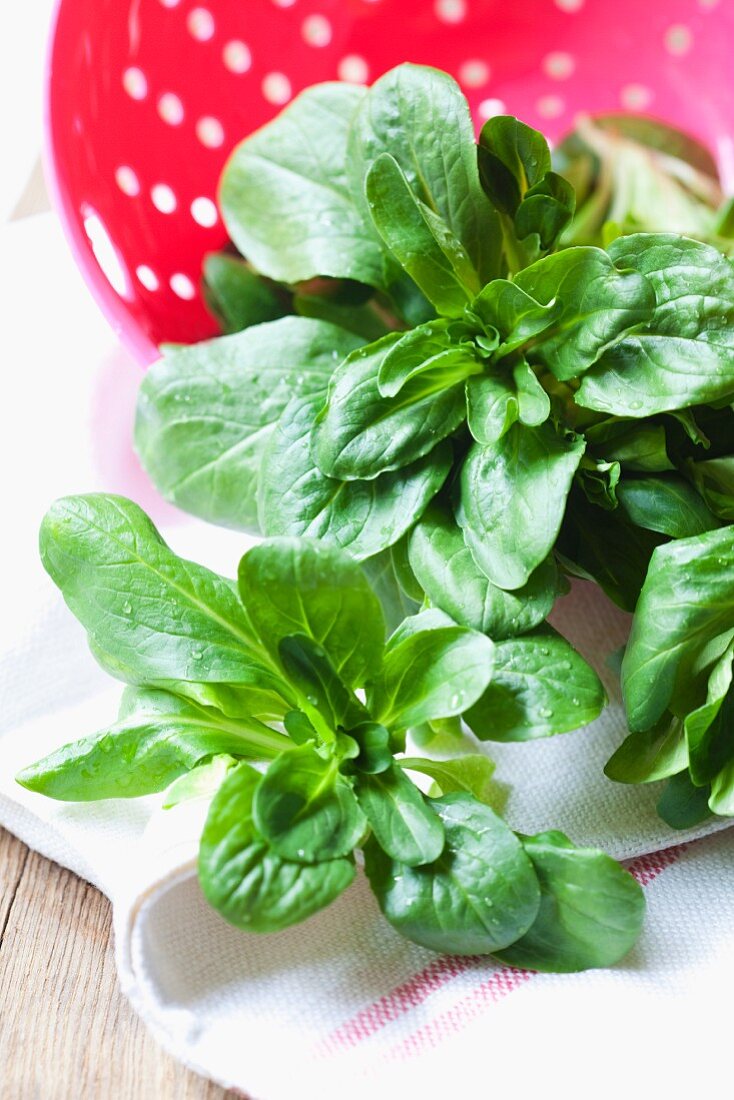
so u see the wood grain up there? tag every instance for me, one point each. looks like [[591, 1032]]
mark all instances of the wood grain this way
[[66, 1032]]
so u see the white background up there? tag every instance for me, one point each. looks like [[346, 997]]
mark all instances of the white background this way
[[22, 60]]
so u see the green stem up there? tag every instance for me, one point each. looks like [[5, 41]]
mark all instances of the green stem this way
[[514, 251], [266, 742]]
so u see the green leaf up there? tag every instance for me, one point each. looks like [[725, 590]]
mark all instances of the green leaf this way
[[299, 727], [533, 402], [205, 412], [709, 727], [602, 546], [361, 434], [518, 318], [446, 569], [599, 481], [638, 448], [295, 586], [322, 695], [203, 782], [420, 117], [238, 297], [245, 880], [404, 572], [646, 757], [512, 158], [595, 303], [513, 499], [375, 748], [714, 480], [681, 805], [362, 517], [665, 504], [429, 674], [496, 401], [386, 578], [305, 809], [684, 353], [239, 701], [150, 615], [479, 896], [471, 773], [721, 799], [285, 199], [426, 350], [688, 426], [492, 406], [683, 623], [402, 821], [428, 618], [419, 239], [591, 909], [157, 738], [546, 209], [540, 686]]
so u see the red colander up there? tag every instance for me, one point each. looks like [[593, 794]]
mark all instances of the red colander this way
[[146, 98]]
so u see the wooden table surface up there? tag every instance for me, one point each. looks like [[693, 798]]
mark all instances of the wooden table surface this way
[[66, 1031]]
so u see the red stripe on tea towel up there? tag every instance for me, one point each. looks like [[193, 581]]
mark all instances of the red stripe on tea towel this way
[[647, 868], [503, 981], [442, 971], [401, 999]]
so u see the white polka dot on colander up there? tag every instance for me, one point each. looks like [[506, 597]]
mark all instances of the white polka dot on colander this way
[[450, 11], [284, 3], [570, 6], [316, 30], [474, 73], [678, 40], [182, 286], [204, 212], [105, 252], [147, 277], [171, 109], [210, 132], [635, 97], [163, 198], [236, 56], [353, 69], [488, 108], [127, 180], [135, 82], [200, 24], [550, 106], [170, 3], [558, 65], [276, 88]]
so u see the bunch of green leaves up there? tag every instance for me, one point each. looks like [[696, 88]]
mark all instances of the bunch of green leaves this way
[[677, 680], [289, 668], [632, 174], [463, 403]]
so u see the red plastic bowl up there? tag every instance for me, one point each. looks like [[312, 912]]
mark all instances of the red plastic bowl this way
[[146, 98]]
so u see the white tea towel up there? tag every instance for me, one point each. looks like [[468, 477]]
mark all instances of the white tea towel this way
[[341, 1006]]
